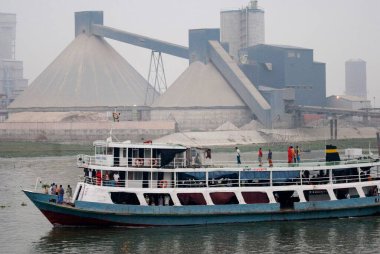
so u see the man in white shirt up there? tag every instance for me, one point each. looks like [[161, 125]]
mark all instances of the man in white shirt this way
[[238, 155]]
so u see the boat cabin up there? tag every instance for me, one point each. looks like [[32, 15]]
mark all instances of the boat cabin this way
[[146, 155]]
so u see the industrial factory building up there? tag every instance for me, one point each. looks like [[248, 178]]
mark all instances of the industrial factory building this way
[[279, 66], [12, 82], [228, 82], [242, 28], [89, 75]]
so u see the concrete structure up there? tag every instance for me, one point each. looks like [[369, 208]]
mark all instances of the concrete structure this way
[[84, 132], [7, 35], [90, 76], [280, 66], [356, 78], [212, 91], [242, 28], [279, 99], [348, 102], [201, 99], [12, 82]]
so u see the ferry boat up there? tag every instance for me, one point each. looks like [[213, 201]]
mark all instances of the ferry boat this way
[[147, 184]]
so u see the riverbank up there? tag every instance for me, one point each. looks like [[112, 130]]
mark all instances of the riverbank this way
[[11, 149]]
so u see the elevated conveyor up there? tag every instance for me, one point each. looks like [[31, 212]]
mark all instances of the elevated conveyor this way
[[240, 83], [140, 41]]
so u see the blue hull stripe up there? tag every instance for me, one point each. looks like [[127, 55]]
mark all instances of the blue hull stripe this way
[[191, 215]]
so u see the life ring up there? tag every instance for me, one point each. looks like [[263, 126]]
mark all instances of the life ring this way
[[163, 184]]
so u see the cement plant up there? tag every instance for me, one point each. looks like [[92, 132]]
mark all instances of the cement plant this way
[[236, 90]]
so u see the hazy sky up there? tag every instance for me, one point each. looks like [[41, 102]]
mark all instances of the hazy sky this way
[[337, 30]]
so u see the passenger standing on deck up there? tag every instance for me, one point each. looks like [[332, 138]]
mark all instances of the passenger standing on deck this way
[[60, 194], [116, 178], [260, 157], [238, 155], [89, 180], [53, 189], [98, 177], [69, 193], [290, 156], [270, 158], [298, 154], [57, 190], [293, 155]]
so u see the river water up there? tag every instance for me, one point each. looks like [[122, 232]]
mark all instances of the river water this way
[[23, 229]]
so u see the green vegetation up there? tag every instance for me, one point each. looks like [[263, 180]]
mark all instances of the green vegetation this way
[[36, 149], [309, 145]]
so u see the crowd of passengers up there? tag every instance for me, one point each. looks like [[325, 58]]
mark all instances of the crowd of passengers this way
[[112, 178], [158, 199], [93, 176]]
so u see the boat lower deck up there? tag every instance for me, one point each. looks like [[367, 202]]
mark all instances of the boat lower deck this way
[[90, 213]]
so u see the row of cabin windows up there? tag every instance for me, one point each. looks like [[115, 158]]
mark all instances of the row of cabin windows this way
[[132, 152], [285, 198]]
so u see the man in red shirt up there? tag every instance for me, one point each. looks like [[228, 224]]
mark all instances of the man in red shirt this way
[[260, 157]]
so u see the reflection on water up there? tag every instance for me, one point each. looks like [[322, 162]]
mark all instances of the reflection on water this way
[[324, 236], [25, 230]]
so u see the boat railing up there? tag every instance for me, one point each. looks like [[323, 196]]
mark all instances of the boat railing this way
[[88, 161], [241, 181], [110, 161]]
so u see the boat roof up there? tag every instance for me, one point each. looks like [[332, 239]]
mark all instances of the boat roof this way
[[129, 144]]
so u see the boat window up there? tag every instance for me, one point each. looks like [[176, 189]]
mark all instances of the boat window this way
[[125, 152], [100, 150], [135, 153], [255, 197], [147, 153], [191, 199], [252, 178], [135, 175], [224, 198], [171, 157], [345, 175], [191, 179], [370, 191], [124, 198], [316, 195], [109, 150], [346, 193], [158, 199], [223, 179]]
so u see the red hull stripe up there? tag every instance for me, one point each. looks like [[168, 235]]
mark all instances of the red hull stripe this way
[[60, 219]]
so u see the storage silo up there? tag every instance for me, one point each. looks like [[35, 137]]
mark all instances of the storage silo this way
[[7, 35], [356, 78], [242, 28]]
